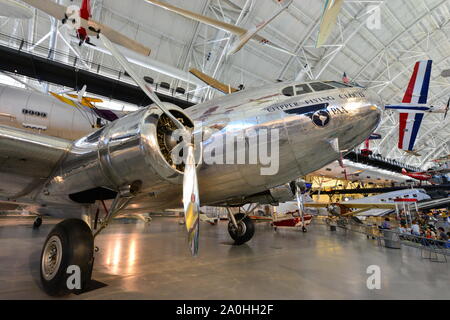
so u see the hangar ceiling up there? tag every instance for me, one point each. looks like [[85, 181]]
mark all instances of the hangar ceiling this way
[[381, 58]]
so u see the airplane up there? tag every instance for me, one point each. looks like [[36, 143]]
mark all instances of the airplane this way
[[435, 176], [359, 172], [414, 105], [41, 113], [131, 165], [79, 19], [242, 35], [377, 205], [421, 176]]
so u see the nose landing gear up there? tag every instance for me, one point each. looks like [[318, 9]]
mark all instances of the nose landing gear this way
[[241, 228]]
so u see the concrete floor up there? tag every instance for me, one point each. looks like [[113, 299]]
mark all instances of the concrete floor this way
[[153, 262]]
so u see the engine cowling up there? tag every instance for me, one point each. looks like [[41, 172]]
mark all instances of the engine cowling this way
[[133, 150]]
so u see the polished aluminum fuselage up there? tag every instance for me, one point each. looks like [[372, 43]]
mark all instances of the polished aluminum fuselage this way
[[304, 147]]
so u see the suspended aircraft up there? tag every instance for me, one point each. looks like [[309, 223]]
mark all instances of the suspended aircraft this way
[[414, 106], [79, 19], [68, 116], [242, 36], [371, 206], [131, 165]]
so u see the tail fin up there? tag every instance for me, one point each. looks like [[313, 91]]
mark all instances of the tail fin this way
[[404, 171]]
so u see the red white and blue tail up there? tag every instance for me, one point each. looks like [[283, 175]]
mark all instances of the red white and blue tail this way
[[413, 105]]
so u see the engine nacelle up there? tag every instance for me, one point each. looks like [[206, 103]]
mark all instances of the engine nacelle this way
[[133, 150]]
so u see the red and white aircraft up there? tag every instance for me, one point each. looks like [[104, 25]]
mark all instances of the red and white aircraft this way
[[80, 20], [414, 105], [421, 176]]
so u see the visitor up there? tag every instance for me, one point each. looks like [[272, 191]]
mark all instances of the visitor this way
[[386, 224], [415, 229]]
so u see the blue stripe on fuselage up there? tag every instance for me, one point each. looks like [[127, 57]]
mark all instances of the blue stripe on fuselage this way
[[307, 109], [417, 122]]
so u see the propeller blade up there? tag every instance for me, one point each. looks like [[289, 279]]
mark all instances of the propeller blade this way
[[446, 109], [139, 80], [191, 201], [300, 187]]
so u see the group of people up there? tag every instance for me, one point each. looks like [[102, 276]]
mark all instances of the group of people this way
[[421, 228]]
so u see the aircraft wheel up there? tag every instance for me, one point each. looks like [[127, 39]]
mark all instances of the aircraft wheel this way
[[304, 229], [245, 230], [70, 243], [37, 222]]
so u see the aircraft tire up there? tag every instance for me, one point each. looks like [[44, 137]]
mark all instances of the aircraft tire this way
[[245, 231], [70, 243]]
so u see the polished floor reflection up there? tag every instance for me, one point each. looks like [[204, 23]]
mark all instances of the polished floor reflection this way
[[139, 261]]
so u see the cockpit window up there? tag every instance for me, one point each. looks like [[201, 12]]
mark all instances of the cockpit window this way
[[288, 91], [302, 89], [338, 84], [320, 86]]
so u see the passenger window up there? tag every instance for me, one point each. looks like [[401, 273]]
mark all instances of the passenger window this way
[[302, 89], [289, 91], [319, 86]]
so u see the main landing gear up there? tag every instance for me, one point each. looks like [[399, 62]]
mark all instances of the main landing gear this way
[[67, 257], [70, 243], [240, 227]]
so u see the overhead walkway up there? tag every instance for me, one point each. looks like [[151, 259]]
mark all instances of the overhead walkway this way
[[26, 59]]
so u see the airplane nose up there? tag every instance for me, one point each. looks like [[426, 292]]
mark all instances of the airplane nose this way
[[376, 99]]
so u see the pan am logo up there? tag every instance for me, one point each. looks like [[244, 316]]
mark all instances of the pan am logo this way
[[321, 118]]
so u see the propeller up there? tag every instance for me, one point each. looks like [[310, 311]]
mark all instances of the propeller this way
[[191, 200], [446, 109], [300, 188]]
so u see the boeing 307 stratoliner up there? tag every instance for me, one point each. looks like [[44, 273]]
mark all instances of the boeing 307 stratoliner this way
[[128, 165]]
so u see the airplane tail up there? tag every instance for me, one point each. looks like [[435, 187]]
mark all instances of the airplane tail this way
[[404, 171]]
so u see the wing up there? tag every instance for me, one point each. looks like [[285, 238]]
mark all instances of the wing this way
[[27, 160], [213, 82], [329, 17], [201, 18], [117, 38], [351, 205], [58, 11], [409, 125], [51, 8]]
